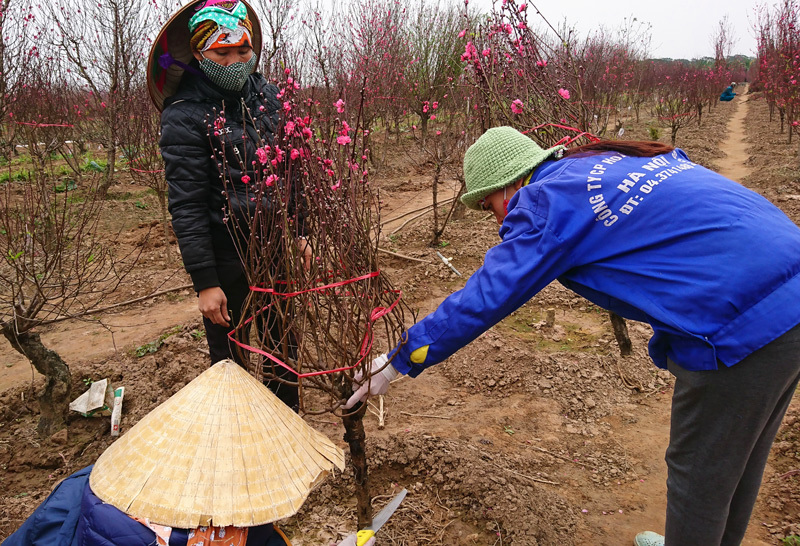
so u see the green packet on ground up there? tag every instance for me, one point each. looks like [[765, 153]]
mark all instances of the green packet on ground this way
[[116, 410], [95, 402], [101, 400]]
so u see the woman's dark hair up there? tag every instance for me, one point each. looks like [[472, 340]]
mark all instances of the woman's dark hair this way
[[635, 148]]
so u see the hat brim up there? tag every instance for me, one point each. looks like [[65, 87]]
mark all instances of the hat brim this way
[[174, 39], [512, 172], [224, 450]]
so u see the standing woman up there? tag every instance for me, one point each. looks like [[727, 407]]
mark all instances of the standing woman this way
[[201, 76], [637, 228]]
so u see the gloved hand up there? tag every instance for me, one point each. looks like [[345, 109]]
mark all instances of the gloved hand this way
[[378, 383], [352, 540]]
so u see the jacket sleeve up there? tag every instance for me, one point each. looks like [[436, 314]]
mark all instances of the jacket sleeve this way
[[188, 166], [55, 520], [527, 260]]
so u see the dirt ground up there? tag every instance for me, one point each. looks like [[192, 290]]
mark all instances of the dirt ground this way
[[531, 435]]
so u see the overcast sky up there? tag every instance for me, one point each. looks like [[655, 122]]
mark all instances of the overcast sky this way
[[680, 28]]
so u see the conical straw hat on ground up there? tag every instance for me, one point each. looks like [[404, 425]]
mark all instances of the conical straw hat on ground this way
[[221, 451]]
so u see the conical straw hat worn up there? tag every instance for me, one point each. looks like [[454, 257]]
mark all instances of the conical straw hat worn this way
[[224, 450], [172, 42]]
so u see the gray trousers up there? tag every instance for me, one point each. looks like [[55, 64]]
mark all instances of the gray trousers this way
[[722, 427]]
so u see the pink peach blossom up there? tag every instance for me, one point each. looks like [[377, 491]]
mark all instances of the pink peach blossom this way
[[261, 153]]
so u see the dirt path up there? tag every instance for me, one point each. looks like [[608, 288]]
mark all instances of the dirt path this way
[[734, 144], [122, 330], [402, 207]]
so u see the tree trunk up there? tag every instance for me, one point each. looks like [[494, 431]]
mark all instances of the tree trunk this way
[[459, 208], [108, 179], [423, 126], [436, 232], [54, 398], [621, 333], [356, 438]]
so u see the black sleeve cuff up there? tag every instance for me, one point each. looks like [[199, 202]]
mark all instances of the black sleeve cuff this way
[[204, 278]]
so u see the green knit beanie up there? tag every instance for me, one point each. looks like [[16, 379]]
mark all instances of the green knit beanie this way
[[500, 157]]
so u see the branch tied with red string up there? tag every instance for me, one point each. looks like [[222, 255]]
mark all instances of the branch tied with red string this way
[[308, 184]]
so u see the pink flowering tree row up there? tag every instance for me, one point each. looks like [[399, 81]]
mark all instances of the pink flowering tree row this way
[[521, 76], [779, 61], [549, 82]]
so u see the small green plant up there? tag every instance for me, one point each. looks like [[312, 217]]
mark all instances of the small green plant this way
[[791, 540], [154, 346], [444, 244], [16, 176], [393, 237], [508, 430], [65, 185], [198, 334], [169, 333], [655, 132], [14, 256], [140, 204], [148, 348], [87, 381], [96, 166]]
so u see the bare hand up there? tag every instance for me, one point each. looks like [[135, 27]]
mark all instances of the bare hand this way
[[305, 252], [213, 303]]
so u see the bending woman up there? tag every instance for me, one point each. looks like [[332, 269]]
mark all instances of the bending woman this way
[[639, 229]]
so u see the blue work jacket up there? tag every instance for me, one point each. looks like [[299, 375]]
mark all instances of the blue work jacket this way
[[713, 267], [72, 515]]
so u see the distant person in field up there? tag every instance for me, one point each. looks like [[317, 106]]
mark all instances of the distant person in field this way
[[728, 94], [201, 75], [639, 229]]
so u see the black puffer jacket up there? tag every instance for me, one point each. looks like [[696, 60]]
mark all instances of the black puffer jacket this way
[[197, 190]]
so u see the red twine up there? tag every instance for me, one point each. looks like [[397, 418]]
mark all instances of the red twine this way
[[366, 342], [566, 141]]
